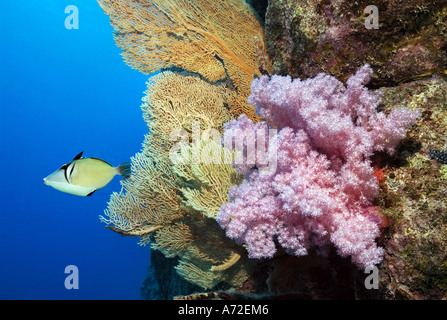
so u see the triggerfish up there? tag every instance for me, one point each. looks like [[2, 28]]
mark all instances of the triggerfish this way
[[83, 176]]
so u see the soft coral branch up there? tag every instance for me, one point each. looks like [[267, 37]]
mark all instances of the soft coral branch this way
[[322, 190]]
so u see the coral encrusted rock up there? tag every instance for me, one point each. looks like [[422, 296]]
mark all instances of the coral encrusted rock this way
[[305, 38]]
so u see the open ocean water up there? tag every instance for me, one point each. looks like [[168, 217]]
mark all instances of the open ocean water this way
[[63, 91]]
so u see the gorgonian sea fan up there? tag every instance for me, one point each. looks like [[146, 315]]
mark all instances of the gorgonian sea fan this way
[[323, 185]]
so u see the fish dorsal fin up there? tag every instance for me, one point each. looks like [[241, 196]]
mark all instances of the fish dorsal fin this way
[[78, 156]]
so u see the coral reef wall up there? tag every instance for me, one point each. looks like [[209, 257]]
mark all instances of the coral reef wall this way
[[308, 37], [208, 53], [412, 194]]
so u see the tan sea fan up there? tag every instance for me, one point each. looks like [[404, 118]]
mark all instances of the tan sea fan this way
[[159, 204], [214, 176], [217, 39]]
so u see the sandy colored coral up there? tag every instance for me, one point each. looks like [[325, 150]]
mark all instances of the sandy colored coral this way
[[214, 175], [216, 39], [211, 257], [169, 205], [176, 101], [174, 240]]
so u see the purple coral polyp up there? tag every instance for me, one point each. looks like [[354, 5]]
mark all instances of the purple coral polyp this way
[[322, 190]]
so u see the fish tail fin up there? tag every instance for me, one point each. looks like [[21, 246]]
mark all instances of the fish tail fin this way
[[124, 169]]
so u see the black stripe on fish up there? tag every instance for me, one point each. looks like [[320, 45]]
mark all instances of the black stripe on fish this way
[[72, 168], [65, 167], [65, 172], [91, 193], [69, 171]]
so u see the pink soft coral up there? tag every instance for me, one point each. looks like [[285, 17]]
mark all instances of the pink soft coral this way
[[322, 190]]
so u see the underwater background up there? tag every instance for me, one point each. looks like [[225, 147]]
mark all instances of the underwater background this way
[[63, 91], [363, 121]]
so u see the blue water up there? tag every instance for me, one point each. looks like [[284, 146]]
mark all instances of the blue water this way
[[62, 92]]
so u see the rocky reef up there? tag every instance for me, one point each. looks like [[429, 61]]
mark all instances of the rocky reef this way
[[412, 196], [408, 54], [408, 42]]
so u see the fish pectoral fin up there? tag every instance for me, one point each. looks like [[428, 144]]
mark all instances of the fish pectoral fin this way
[[78, 156], [90, 193]]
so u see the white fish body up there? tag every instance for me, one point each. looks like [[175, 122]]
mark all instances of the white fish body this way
[[83, 176]]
